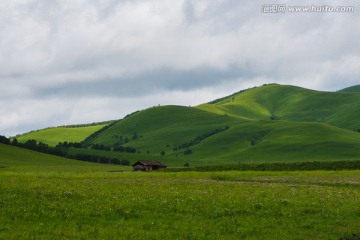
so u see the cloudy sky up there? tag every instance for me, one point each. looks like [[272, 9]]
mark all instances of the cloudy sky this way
[[80, 61]]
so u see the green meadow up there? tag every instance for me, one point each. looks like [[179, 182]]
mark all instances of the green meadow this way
[[97, 204], [48, 197]]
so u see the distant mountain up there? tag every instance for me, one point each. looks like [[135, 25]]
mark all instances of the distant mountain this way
[[271, 123]]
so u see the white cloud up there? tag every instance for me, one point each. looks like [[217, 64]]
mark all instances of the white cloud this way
[[101, 52]]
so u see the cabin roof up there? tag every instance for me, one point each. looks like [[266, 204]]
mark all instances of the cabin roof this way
[[149, 163]]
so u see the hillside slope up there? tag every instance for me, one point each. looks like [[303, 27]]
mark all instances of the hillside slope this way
[[219, 139], [52, 136], [277, 141], [160, 127], [284, 102]]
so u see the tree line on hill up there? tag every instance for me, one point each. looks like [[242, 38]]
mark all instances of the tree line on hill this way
[[198, 140], [96, 146], [87, 124], [60, 150]]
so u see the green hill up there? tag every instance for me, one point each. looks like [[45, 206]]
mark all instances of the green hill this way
[[219, 139], [272, 123], [292, 103], [52, 136], [157, 127], [351, 89]]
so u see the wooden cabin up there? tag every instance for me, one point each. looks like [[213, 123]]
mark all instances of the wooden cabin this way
[[147, 166]]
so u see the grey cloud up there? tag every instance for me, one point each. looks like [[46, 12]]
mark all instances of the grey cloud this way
[[148, 83]]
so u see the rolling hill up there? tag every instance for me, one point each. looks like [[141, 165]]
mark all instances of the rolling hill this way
[[292, 103], [219, 139], [272, 123], [160, 126]]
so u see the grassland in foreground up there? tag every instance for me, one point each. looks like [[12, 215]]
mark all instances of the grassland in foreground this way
[[186, 205]]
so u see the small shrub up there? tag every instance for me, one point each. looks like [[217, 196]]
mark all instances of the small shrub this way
[[188, 152]]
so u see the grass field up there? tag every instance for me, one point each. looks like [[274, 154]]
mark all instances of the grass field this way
[[47, 197], [192, 205]]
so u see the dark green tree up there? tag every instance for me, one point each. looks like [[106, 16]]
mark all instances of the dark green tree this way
[[15, 142], [4, 140], [135, 136]]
